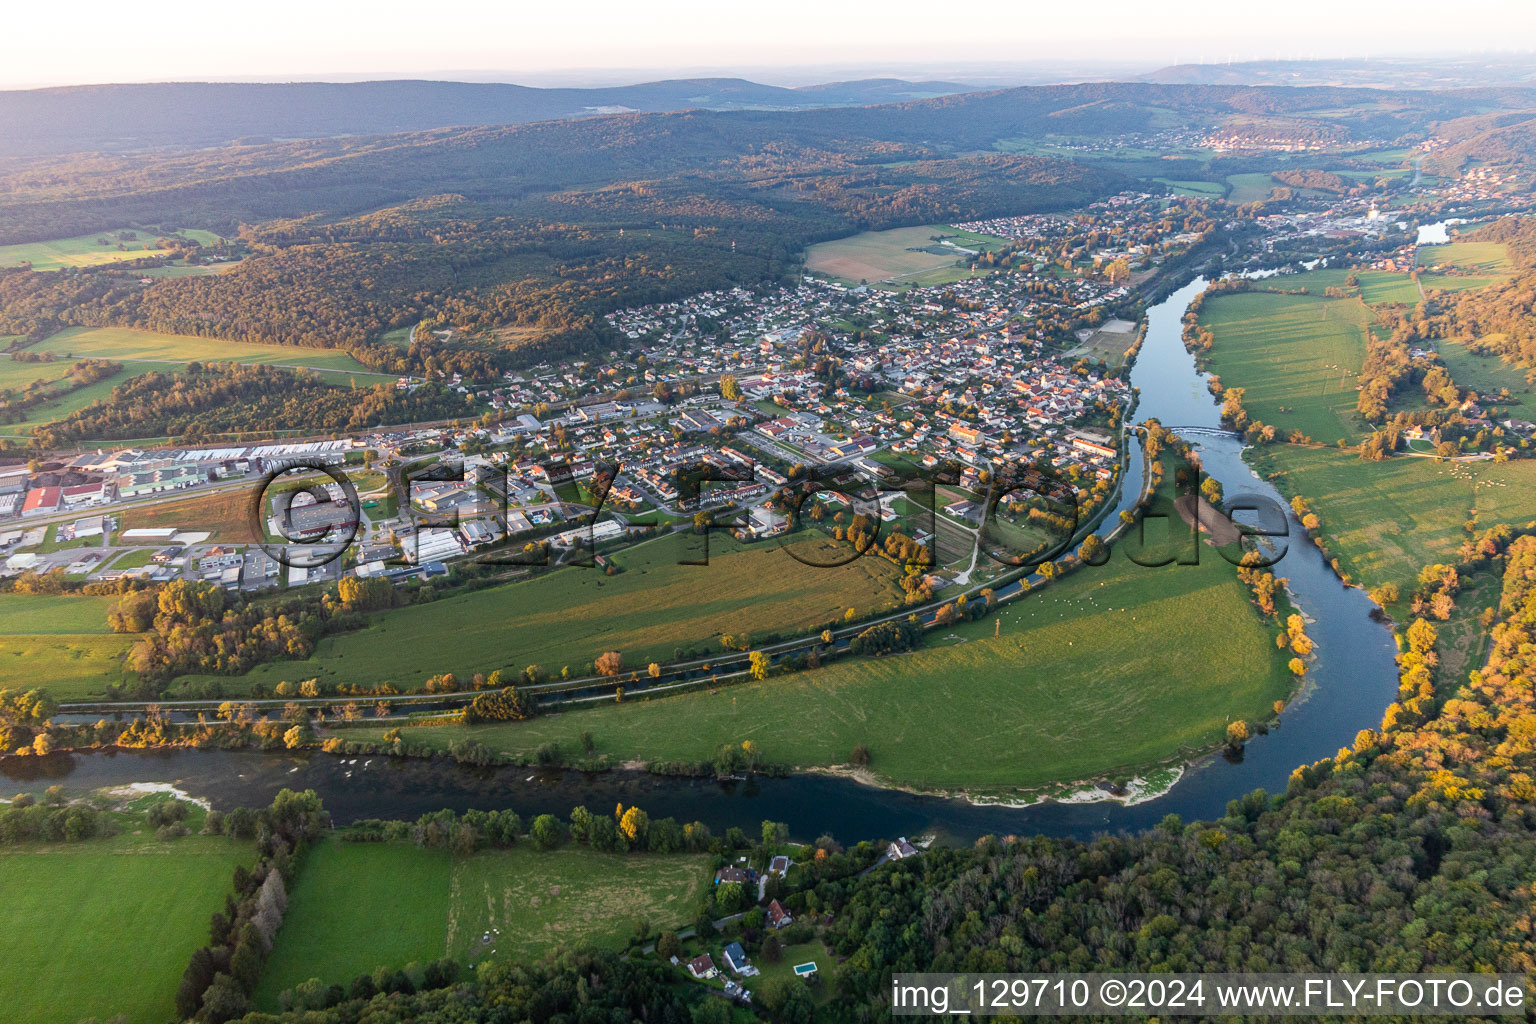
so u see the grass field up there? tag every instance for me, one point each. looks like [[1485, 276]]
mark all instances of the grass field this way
[[17, 375], [569, 616], [144, 351], [1089, 678], [59, 643], [1483, 257], [67, 665], [1298, 356], [58, 408], [129, 344], [897, 256], [1386, 520], [567, 898], [357, 906], [106, 927], [53, 614], [85, 250], [1485, 374], [1198, 189], [1250, 188]]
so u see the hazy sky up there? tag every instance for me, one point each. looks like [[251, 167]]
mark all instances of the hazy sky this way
[[84, 41]]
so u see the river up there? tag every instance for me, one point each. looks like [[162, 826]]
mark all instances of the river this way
[[1350, 685]]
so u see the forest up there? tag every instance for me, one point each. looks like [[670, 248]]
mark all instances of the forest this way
[[206, 400]]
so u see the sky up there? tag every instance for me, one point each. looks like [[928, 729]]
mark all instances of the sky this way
[[599, 41]]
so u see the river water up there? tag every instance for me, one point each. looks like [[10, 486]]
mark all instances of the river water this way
[[1349, 687]]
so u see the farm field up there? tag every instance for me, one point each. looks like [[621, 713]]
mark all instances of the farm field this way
[[1297, 356], [1484, 257], [897, 255], [224, 516], [84, 250], [570, 615], [1087, 679], [67, 930], [1384, 521], [126, 343], [436, 905]]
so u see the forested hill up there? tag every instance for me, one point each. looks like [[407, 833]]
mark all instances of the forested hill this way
[[184, 114], [180, 115]]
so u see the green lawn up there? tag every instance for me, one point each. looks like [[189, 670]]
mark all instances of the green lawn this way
[[128, 343], [1386, 520], [357, 906], [806, 952], [571, 615], [105, 928], [1298, 357], [1090, 677], [84, 250]]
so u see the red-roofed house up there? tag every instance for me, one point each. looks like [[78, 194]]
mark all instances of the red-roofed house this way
[[778, 917]]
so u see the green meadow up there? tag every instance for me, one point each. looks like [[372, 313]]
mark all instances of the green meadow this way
[[1487, 374], [1298, 357], [87, 250], [152, 346], [59, 643], [1483, 257], [104, 929], [358, 906], [1384, 521], [569, 616]]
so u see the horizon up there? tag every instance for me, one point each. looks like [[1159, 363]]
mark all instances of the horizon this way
[[110, 44]]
